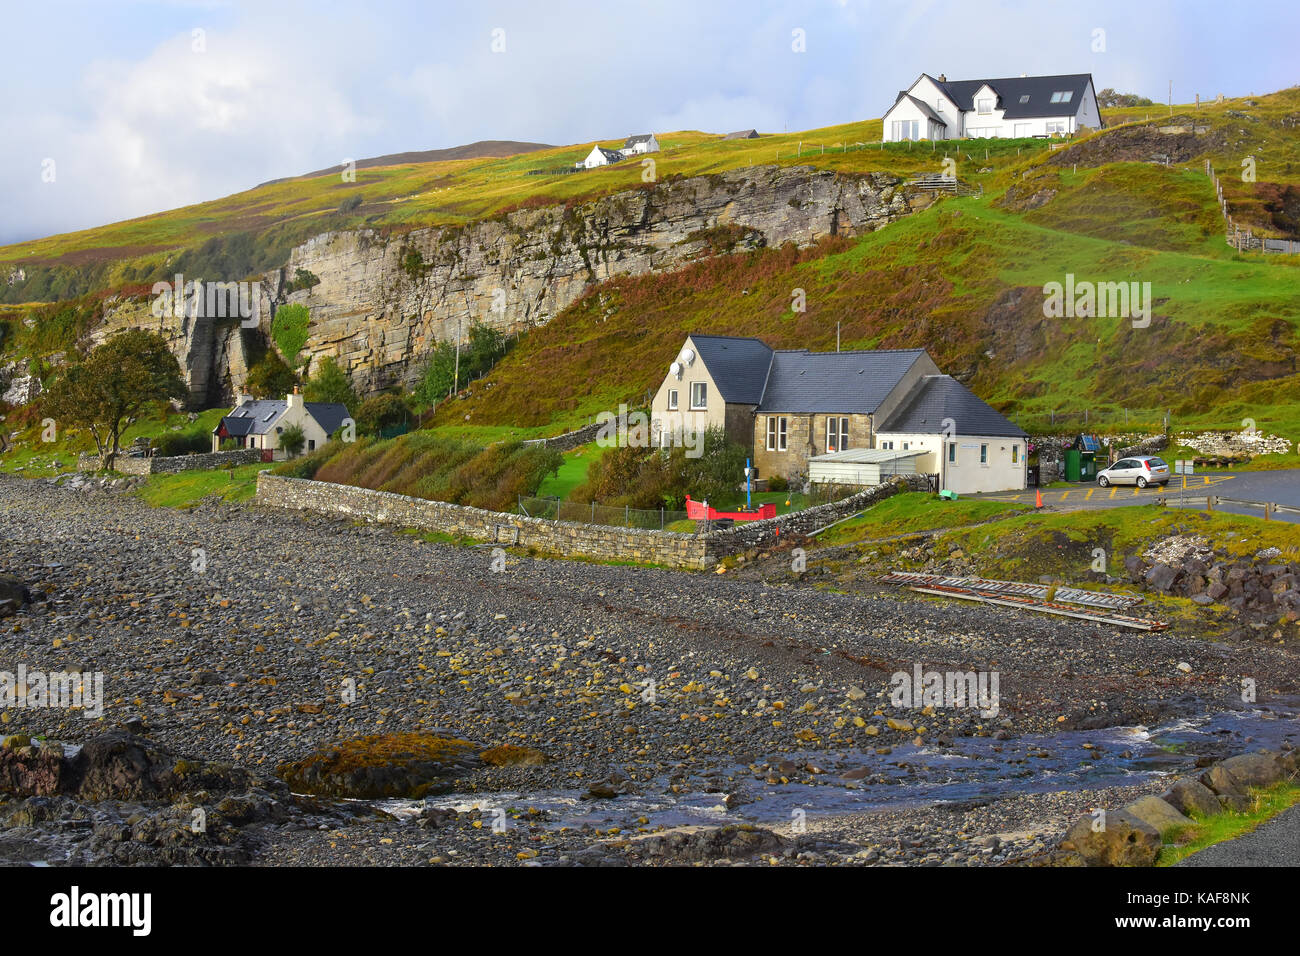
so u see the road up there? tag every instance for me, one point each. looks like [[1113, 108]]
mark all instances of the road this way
[[1275, 487], [1275, 843]]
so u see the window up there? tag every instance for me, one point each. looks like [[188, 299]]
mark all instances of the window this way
[[311, 444], [1025, 98], [1062, 96], [1055, 126], [984, 106], [984, 454], [905, 129], [699, 395], [905, 444], [837, 434], [887, 445], [952, 453], [1015, 454], [672, 399], [776, 433]]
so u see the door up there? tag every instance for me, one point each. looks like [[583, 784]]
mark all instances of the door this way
[[1124, 472]]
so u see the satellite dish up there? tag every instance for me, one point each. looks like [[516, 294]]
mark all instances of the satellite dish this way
[[676, 369], [688, 356]]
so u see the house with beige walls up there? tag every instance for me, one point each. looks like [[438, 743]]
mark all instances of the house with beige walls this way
[[792, 407], [258, 423]]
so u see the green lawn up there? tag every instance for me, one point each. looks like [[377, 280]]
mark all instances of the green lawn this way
[[190, 487], [915, 511], [572, 473]]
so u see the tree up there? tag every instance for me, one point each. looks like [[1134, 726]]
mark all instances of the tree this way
[[1109, 99], [330, 384], [107, 391], [381, 411], [292, 439], [270, 377]]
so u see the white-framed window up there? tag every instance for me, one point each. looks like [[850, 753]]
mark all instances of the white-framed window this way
[[1055, 126], [699, 395], [952, 453], [984, 454], [905, 129], [1062, 96], [776, 433], [837, 434], [905, 444], [672, 399], [984, 106], [1015, 454], [887, 445]]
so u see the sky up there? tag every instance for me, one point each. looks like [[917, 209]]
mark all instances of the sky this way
[[116, 109]]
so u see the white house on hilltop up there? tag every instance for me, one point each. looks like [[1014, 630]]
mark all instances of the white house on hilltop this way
[[600, 156], [636, 145], [992, 109]]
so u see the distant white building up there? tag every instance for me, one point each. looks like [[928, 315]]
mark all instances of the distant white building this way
[[1012, 107], [636, 145], [600, 156]]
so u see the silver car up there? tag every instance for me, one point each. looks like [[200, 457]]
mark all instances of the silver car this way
[[1140, 470]]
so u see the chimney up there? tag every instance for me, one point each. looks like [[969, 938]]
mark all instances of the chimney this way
[[943, 77], [295, 398]]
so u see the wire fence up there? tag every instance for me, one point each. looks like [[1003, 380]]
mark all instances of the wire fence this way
[[594, 513]]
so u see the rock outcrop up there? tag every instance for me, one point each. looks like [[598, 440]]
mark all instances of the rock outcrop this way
[[382, 302]]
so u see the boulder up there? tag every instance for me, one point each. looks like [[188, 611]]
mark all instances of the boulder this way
[[1159, 813], [1124, 840], [1254, 770], [1189, 796], [1161, 577], [1226, 787]]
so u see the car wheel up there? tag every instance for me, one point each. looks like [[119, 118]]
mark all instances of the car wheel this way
[[1103, 481], [1142, 482]]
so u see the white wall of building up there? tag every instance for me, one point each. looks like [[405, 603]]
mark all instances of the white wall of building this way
[[967, 475]]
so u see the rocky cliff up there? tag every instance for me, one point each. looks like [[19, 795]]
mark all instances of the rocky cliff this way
[[382, 302]]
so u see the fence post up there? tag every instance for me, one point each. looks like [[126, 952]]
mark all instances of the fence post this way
[[627, 516], [661, 517], [593, 511]]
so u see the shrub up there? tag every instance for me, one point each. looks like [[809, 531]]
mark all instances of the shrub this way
[[330, 384], [169, 444], [289, 330], [292, 440], [777, 483], [381, 411], [269, 377]]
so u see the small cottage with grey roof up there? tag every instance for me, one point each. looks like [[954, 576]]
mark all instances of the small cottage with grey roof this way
[[644, 143], [794, 406], [259, 423], [600, 156]]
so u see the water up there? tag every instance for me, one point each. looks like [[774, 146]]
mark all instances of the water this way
[[973, 769]]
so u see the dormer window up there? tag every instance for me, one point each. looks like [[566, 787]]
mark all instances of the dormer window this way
[[984, 105], [1025, 98], [1062, 96]]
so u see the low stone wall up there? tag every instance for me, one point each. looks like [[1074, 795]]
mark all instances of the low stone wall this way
[[175, 463], [568, 538], [571, 440]]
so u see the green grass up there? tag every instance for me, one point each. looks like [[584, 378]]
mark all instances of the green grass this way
[[912, 512], [1267, 802], [188, 488], [572, 473]]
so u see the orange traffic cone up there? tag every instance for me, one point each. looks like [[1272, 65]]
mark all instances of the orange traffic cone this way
[[1038, 498]]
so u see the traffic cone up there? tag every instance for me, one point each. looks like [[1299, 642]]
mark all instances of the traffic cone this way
[[1038, 498]]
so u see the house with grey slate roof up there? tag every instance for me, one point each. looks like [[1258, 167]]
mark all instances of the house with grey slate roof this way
[[258, 423], [793, 407], [1022, 106]]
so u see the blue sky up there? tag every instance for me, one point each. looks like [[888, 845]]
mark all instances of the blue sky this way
[[139, 116]]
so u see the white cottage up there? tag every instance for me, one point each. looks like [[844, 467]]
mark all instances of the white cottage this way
[[600, 156], [1005, 108], [637, 145]]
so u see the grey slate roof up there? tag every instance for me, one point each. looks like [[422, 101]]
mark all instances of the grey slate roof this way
[[738, 366], [937, 397], [1010, 89], [641, 138], [803, 382], [258, 416], [743, 134], [925, 109], [611, 155]]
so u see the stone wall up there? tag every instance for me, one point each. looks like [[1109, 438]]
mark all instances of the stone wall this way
[[566, 538], [175, 463]]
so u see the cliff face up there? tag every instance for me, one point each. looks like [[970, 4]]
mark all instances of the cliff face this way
[[383, 302]]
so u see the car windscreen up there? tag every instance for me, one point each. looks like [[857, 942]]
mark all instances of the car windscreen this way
[[1157, 462]]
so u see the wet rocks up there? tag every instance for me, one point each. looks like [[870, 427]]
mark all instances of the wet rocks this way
[[696, 844], [1189, 796], [1118, 839], [381, 765], [1159, 814]]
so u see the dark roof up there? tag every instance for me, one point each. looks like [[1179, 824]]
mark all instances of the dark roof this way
[[937, 397], [738, 366], [258, 416], [856, 382], [1011, 89], [329, 415], [642, 138], [743, 134], [613, 155], [925, 109]]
